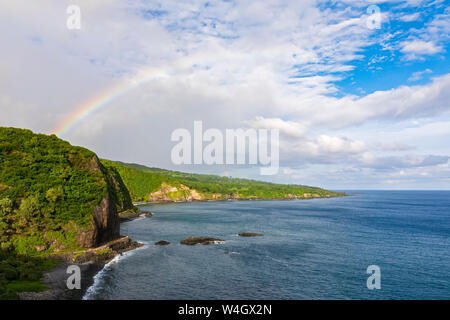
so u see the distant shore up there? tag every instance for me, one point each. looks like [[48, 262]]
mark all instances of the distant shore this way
[[140, 203]]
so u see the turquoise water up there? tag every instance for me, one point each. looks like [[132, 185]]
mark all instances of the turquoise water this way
[[311, 249]]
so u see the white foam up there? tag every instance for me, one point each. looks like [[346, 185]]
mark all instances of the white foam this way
[[98, 277]]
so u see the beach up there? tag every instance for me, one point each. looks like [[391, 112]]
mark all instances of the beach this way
[[90, 262]]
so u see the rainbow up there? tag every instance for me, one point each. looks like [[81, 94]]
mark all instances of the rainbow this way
[[99, 102], [87, 109], [96, 104]]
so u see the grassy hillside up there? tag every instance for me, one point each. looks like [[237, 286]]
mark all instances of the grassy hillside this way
[[139, 182], [142, 181], [49, 190]]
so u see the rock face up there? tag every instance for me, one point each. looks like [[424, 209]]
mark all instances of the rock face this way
[[169, 193], [105, 225], [190, 241], [105, 222]]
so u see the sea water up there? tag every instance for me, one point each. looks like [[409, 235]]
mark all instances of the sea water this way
[[311, 249]]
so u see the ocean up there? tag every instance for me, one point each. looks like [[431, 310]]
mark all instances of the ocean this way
[[311, 249]]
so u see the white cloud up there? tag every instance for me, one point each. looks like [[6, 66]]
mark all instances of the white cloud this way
[[392, 146], [409, 17], [420, 47], [227, 63], [324, 145], [399, 103], [419, 74], [289, 128]]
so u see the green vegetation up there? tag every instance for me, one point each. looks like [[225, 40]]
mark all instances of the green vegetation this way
[[117, 189], [141, 181], [48, 189], [20, 273], [26, 286], [104, 251]]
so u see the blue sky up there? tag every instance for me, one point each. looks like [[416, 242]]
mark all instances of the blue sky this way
[[382, 65], [357, 107]]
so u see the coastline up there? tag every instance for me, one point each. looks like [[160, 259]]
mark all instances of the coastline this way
[[56, 278], [90, 262], [141, 203]]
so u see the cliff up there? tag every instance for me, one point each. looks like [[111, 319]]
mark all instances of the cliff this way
[[158, 185], [55, 197], [180, 193]]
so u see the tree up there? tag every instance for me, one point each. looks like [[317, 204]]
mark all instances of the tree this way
[[53, 194], [6, 207], [29, 210]]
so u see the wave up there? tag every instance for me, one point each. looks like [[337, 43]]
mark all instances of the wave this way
[[92, 290]]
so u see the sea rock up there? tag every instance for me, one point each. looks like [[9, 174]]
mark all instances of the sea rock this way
[[102, 254], [162, 243], [190, 241], [128, 216], [250, 234], [146, 213]]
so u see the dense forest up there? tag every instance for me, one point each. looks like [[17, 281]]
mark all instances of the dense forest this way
[[48, 189], [141, 181]]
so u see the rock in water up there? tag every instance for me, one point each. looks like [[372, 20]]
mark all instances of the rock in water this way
[[250, 234], [190, 241], [162, 243], [146, 213]]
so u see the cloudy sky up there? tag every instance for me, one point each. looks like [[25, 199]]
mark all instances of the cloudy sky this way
[[357, 107]]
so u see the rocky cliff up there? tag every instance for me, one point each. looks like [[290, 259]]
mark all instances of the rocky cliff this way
[[55, 197], [169, 193], [104, 225]]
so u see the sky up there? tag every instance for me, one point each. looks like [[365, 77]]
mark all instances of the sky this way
[[357, 107]]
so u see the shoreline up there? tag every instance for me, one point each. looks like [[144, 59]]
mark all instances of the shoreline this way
[[141, 203], [56, 279], [90, 262]]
